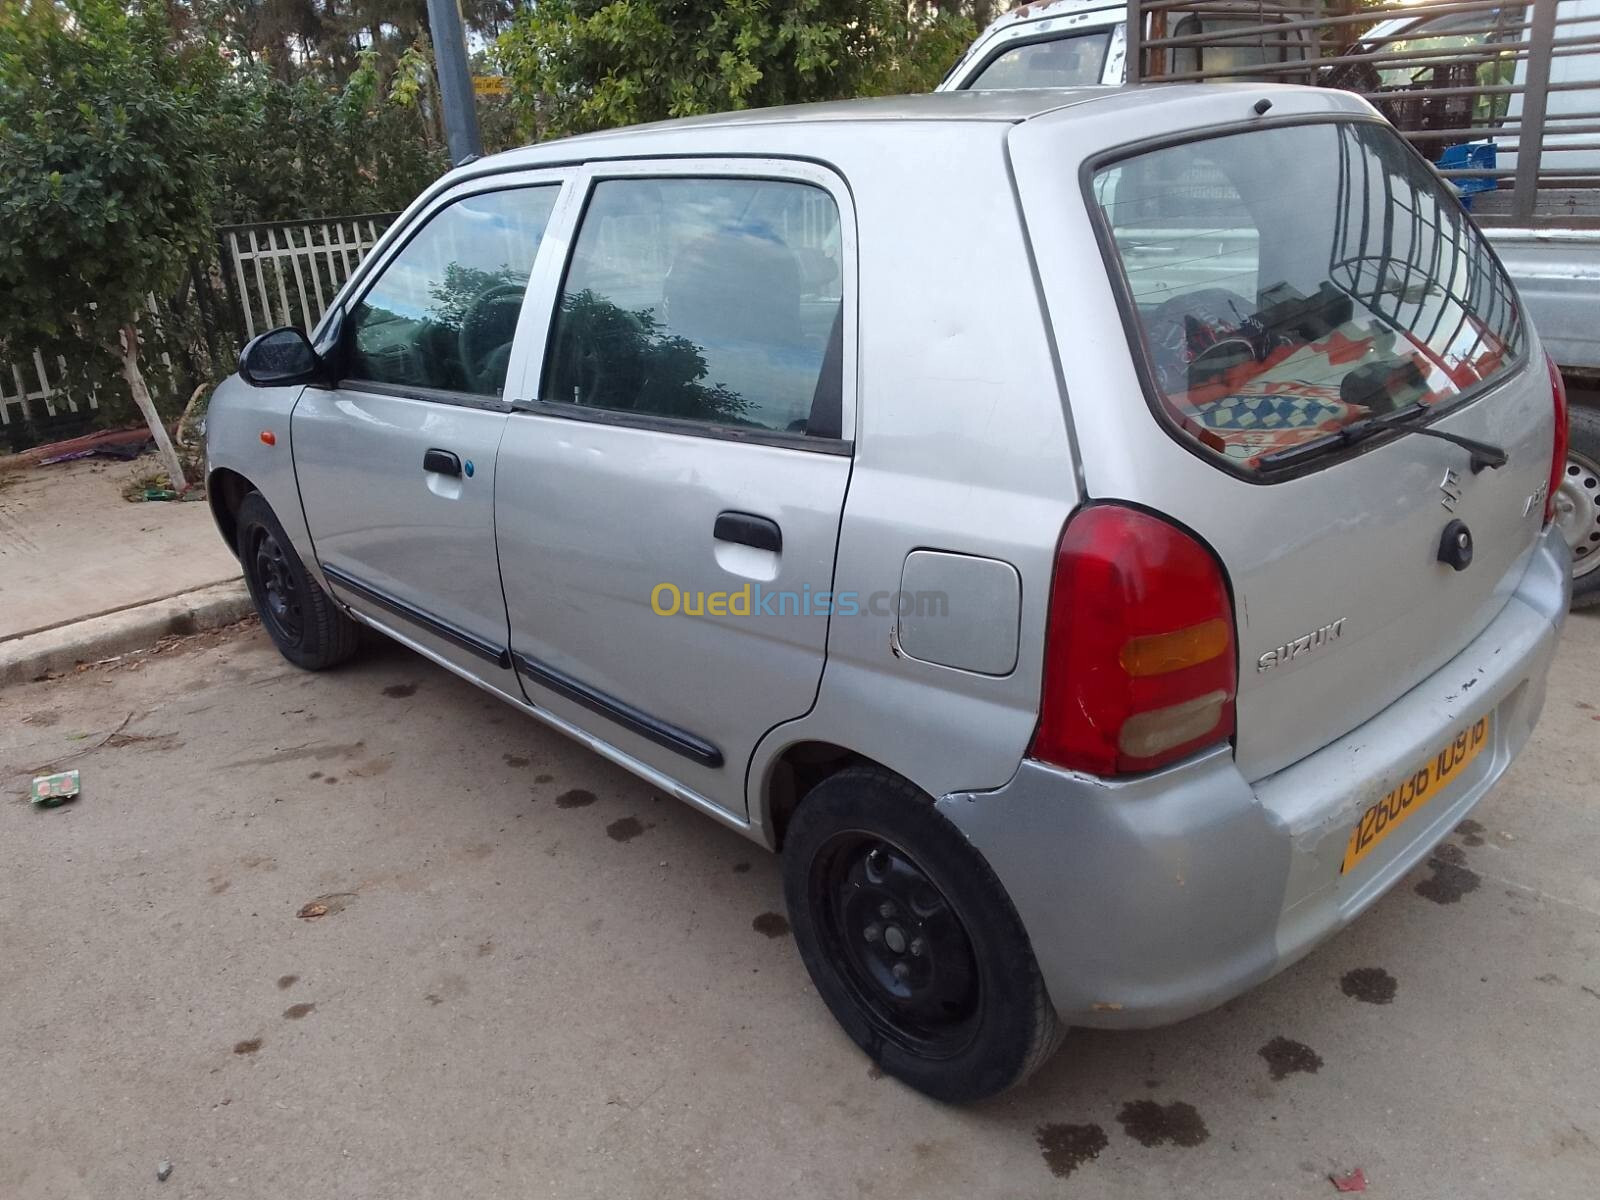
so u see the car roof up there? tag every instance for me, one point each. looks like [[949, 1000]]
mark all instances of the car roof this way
[[1003, 107], [821, 130]]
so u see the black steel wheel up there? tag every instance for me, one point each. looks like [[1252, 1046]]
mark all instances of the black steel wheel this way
[[280, 610], [912, 941], [903, 950], [308, 628]]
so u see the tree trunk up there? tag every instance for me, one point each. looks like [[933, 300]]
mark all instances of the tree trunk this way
[[141, 397]]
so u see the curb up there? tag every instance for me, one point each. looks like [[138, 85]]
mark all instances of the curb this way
[[61, 649]]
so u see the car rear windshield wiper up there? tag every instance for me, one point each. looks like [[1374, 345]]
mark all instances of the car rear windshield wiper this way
[[1483, 453]]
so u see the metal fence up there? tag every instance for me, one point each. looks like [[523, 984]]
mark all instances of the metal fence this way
[[286, 272], [1503, 97]]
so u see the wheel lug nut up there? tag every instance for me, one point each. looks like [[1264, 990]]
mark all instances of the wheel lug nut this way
[[917, 947], [886, 910], [901, 971], [872, 933]]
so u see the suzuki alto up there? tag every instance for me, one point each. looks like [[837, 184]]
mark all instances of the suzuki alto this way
[[1101, 539]]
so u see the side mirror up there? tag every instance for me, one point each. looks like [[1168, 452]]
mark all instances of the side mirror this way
[[278, 358]]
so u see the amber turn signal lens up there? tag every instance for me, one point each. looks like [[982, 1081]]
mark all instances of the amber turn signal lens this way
[[269, 438], [1160, 653]]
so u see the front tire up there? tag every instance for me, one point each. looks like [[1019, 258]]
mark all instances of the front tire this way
[[911, 940], [308, 628]]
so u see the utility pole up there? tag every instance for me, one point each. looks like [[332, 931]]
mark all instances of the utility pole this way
[[455, 81]]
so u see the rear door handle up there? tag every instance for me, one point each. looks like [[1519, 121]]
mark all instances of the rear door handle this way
[[441, 462], [748, 530]]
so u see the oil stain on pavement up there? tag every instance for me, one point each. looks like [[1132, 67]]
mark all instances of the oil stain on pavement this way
[[772, 924], [1451, 880], [295, 1011], [1285, 1057], [576, 798], [624, 829], [1372, 985], [1067, 1147], [1151, 1124]]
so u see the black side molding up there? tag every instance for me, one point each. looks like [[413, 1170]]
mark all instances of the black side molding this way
[[454, 634], [680, 741]]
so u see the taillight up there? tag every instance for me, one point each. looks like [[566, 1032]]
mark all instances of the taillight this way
[[1140, 666], [1558, 455]]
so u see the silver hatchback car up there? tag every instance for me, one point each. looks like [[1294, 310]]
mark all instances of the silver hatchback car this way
[[1100, 538]]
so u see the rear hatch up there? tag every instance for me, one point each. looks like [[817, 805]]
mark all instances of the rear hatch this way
[[1278, 286]]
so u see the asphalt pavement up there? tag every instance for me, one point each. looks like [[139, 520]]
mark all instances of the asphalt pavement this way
[[373, 934]]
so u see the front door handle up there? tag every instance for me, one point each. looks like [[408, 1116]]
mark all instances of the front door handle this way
[[441, 462], [748, 530]]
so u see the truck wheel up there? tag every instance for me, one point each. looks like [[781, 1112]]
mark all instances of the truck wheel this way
[[911, 940], [305, 624], [1578, 505]]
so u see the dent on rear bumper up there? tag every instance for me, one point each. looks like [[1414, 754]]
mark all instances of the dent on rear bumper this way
[[1151, 899]]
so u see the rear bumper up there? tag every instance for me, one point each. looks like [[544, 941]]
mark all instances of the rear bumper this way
[[1152, 899]]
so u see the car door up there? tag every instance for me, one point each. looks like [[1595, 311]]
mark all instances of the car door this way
[[674, 469], [396, 461]]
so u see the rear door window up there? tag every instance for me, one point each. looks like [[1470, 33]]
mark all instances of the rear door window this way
[[707, 300], [1282, 283]]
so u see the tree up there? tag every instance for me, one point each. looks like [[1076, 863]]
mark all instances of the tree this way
[[107, 182], [579, 65]]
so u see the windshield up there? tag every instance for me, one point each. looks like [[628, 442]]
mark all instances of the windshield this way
[[1286, 282], [1073, 61]]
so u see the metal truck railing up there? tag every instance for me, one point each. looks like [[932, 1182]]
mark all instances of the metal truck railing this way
[[1503, 98]]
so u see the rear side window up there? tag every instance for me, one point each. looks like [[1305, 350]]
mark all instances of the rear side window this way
[[1285, 282], [712, 300], [1076, 61]]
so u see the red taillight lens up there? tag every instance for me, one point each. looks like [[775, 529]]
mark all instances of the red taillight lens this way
[[1558, 455], [1140, 666]]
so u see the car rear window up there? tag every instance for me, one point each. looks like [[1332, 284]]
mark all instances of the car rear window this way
[[1284, 282]]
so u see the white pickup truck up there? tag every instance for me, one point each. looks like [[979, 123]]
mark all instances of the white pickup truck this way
[[1471, 83]]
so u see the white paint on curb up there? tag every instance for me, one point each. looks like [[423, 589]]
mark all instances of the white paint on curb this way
[[61, 649]]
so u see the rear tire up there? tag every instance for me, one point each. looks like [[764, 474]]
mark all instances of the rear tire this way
[[911, 940], [309, 629], [1578, 504]]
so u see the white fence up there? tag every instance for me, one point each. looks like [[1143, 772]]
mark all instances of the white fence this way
[[274, 273], [31, 389], [285, 272], [32, 385]]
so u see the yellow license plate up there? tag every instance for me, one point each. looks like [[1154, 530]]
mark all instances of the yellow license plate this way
[[1427, 781]]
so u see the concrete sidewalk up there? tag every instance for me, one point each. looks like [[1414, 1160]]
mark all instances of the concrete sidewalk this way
[[86, 574]]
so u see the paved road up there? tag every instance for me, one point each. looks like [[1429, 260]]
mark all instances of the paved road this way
[[534, 978]]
